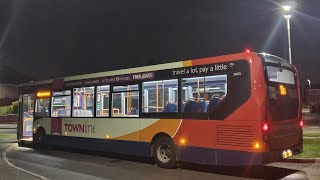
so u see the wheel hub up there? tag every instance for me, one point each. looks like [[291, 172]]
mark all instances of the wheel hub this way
[[164, 153]]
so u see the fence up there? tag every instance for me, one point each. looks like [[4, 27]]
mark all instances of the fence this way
[[11, 119]]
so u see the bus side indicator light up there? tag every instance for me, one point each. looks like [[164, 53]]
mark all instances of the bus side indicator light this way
[[257, 145], [182, 141]]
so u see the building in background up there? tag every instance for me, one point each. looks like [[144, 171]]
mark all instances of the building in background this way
[[9, 84], [312, 97]]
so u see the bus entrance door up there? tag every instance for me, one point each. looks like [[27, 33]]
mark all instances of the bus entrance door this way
[[26, 117]]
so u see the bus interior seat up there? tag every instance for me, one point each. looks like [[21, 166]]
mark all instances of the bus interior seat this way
[[214, 101], [191, 106], [134, 111], [201, 106], [170, 107]]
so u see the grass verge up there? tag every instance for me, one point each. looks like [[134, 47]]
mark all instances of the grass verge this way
[[3, 136], [311, 148], [311, 135]]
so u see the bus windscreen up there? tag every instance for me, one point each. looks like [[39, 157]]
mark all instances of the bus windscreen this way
[[283, 93], [276, 74]]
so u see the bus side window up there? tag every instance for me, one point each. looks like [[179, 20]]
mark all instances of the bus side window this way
[[160, 96], [102, 104], [125, 101], [83, 102], [61, 104], [42, 107], [203, 94]]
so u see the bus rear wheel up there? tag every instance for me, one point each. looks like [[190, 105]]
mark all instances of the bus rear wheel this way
[[164, 152]]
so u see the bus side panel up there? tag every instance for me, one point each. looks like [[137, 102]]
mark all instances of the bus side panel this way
[[44, 123]]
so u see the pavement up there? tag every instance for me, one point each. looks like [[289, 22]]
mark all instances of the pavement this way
[[7, 172], [8, 126]]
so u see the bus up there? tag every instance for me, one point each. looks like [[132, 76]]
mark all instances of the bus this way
[[230, 110]]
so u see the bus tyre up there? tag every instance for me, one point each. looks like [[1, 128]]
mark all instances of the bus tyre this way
[[164, 152], [39, 137]]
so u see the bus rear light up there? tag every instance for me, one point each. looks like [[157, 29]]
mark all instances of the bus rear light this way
[[301, 123], [265, 127], [247, 51]]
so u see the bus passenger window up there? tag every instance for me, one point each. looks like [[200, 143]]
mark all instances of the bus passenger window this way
[[61, 104], [83, 102], [125, 101], [202, 94], [160, 96], [103, 101], [42, 107]]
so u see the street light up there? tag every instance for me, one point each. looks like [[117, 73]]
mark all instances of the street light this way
[[287, 15], [309, 82]]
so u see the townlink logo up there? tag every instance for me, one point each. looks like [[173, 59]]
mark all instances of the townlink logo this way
[[79, 128]]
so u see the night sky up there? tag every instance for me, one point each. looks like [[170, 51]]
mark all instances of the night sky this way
[[49, 39]]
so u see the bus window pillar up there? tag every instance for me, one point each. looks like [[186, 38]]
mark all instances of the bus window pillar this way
[[189, 92], [170, 93], [123, 104], [146, 97], [225, 89]]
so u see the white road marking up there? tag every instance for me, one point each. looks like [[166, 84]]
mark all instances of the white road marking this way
[[5, 159]]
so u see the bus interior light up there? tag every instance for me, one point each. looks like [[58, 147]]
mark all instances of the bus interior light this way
[[283, 90]]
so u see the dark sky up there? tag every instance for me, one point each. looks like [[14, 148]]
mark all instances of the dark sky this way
[[47, 39]]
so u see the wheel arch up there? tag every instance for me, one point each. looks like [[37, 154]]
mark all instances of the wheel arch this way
[[40, 128], [157, 136]]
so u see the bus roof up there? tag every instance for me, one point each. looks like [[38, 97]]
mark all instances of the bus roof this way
[[157, 67]]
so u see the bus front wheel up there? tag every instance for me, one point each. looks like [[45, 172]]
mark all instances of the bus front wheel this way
[[164, 152], [39, 137]]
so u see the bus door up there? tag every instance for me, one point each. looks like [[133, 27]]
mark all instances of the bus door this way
[[26, 117]]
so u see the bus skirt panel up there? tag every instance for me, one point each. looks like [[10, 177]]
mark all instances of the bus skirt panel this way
[[223, 157], [191, 154], [104, 145]]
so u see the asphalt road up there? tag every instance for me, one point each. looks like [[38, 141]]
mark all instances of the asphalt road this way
[[58, 164]]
